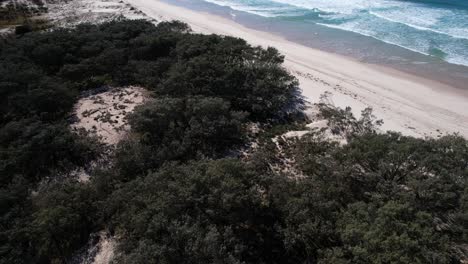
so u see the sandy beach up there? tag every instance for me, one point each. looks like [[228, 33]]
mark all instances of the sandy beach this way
[[408, 104]]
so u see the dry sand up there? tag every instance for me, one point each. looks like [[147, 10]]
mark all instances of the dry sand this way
[[104, 114], [70, 13], [106, 249], [408, 104]]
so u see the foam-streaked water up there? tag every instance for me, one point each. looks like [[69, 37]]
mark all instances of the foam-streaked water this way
[[438, 28]]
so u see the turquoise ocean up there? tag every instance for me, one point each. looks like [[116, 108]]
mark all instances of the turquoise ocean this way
[[428, 38], [432, 27]]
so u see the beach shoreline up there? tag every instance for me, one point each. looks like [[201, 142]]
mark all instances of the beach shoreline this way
[[360, 47], [407, 103]]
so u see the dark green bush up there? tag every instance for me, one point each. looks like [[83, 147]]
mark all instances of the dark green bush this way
[[168, 193]]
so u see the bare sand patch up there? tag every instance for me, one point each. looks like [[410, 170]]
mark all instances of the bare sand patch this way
[[105, 114], [65, 13], [101, 249], [106, 248]]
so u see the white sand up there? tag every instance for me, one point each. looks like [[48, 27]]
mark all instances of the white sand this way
[[318, 125], [104, 115], [71, 13], [106, 249], [409, 104]]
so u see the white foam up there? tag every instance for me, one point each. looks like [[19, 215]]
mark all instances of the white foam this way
[[410, 25], [454, 33], [264, 9], [454, 53], [371, 34], [330, 6]]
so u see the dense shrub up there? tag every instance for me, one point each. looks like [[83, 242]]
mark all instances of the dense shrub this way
[[169, 194], [375, 200], [201, 212], [42, 75]]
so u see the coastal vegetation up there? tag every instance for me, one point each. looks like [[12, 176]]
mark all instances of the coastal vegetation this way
[[23, 16], [187, 185]]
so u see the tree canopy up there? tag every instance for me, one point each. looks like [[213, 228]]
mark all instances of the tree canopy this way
[[180, 188]]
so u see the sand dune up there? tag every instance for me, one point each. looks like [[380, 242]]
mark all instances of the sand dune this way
[[409, 104], [104, 114]]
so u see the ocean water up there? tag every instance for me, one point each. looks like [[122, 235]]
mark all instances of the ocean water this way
[[436, 28]]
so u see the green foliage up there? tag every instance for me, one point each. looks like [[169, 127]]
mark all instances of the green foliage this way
[[47, 227], [172, 129], [250, 78], [62, 220], [202, 212], [342, 121], [388, 233], [41, 77], [196, 121], [398, 196], [34, 150], [168, 193], [379, 199]]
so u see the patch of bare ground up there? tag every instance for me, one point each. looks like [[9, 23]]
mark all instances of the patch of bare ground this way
[[318, 126], [105, 114], [106, 249], [22, 16], [68, 13], [100, 250]]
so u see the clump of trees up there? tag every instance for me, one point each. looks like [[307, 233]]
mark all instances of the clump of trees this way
[[171, 129], [43, 74], [379, 199], [176, 192], [395, 197]]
